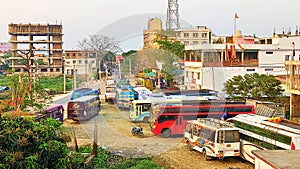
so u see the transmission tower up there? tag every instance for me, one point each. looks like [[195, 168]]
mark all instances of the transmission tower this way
[[172, 15]]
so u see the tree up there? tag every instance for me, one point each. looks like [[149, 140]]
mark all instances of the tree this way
[[218, 41], [254, 86], [100, 43], [4, 64], [174, 47], [28, 144], [106, 46]]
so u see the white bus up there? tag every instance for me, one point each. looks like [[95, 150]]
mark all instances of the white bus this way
[[212, 138], [140, 110], [258, 133]]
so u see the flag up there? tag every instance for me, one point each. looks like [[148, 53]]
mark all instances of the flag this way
[[236, 16]]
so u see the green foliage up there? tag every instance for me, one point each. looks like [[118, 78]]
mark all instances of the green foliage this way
[[85, 149], [254, 86], [136, 164], [131, 52], [28, 144], [174, 47], [77, 161], [218, 41]]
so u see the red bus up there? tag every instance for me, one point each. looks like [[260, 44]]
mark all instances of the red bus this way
[[171, 119], [55, 112]]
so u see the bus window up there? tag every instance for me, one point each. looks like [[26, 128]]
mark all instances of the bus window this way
[[146, 106], [230, 136], [165, 118], [188, 128]]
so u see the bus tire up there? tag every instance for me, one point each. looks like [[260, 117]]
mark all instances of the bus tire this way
[[206, 158], [146, 119], [189, 146], [166, 133]]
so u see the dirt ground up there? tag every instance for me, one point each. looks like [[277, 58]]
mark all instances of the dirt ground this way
[[114, 132]]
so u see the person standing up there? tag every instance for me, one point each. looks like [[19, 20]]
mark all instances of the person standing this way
[[224, 116]]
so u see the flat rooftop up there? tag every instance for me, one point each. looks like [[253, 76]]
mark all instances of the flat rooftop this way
[[280, 158]]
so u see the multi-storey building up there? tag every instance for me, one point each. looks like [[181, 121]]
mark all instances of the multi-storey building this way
[[153, 32], [209, 66], [36, 48], [194, 36], [82, 63]]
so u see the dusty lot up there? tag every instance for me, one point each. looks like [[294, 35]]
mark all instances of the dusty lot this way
[[114, 132]]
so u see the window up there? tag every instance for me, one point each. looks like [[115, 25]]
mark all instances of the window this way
[[193, 75], [269, 52], [204, 35], [269, 69], [80, 61], [249, 70], [287, 57], [186, 35], [186, 43], [195, 35], [195, 42], [188, 128], [80, 54], [165, 118], [187, 74], [230, 136], [198, 75], [204, 42]]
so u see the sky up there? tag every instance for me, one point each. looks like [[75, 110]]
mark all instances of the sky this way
[[124, 20]]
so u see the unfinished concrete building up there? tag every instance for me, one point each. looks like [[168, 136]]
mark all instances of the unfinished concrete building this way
[[36, 48]]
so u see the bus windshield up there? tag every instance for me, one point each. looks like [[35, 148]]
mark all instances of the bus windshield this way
[[230, 136]]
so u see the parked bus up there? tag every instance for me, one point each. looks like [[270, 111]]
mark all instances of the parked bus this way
[[84, 92], [140, 110], [212, 138], [171, 119], [83, 108], [55, 112], [258, 133], [124, 96]]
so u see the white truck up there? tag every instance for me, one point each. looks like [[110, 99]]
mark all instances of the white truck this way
[[110, 93]]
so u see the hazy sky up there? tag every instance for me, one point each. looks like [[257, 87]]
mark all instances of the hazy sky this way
[[126, 19]]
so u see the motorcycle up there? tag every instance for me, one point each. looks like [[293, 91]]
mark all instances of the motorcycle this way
[[137, 131]]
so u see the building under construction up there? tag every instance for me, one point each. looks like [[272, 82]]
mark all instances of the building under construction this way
[[36, 48]]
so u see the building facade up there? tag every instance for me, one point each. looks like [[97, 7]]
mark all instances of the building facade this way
[[194, 36], [36, 48], [153, 32], [209, 66], [81, 63]]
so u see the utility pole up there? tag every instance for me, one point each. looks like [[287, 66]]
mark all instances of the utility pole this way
[[74, 76], [129, 66], [120, 76], [64, 82], [86, 67]]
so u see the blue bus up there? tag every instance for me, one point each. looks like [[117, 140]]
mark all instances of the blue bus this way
[[84, 92]]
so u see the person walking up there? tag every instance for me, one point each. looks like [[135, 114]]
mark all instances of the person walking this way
[[224, 116]]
